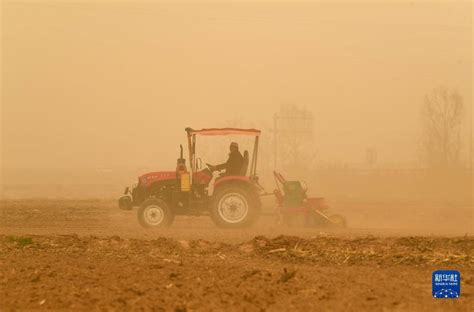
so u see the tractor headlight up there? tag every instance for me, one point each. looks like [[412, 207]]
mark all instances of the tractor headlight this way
[[129, 190]]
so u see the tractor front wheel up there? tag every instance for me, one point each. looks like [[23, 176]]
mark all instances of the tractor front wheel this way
[[155, 213], [234, 207]]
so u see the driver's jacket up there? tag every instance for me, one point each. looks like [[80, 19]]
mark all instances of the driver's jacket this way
[[233, 166]]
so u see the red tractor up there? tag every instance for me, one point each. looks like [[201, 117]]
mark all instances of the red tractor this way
[[232, 201]]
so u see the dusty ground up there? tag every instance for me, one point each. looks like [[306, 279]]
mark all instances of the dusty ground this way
[[88, 255]]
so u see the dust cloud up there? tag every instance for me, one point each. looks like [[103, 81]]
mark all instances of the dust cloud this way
[[95, 93], [368, 102]]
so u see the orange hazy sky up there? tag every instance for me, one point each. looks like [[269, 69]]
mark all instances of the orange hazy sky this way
[[97, 84]]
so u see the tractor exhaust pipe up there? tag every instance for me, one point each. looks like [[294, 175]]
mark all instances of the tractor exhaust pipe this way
[[181, 162]]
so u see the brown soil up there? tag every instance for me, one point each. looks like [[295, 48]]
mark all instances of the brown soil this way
[[88, 255]]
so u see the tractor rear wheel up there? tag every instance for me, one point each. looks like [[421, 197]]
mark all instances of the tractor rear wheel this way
[[155, 213], [234, 207]]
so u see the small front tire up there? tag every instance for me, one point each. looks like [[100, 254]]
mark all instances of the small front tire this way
[[155, 213]]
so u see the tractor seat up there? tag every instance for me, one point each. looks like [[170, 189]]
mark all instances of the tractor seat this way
[[245, 164]]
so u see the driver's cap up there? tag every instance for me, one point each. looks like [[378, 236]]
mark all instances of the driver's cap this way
[[234, 144]]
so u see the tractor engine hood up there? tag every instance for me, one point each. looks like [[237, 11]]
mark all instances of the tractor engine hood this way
[[158, 176]]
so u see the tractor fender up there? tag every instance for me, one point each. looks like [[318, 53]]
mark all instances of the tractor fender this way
[[237, 179], [241, 181]]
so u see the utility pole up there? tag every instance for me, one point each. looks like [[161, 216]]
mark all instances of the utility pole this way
[[291, 127]]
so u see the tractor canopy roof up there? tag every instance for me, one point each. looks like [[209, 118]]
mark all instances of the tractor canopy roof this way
[[223, 131]]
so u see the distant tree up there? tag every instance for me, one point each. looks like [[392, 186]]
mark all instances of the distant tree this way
[[441, 117]]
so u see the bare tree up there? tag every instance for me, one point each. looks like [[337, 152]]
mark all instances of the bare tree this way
[[442, 116]]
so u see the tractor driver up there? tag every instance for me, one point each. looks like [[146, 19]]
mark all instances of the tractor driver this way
[[233, 165]]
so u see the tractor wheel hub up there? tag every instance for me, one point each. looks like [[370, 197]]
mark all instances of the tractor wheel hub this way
[[233, 207]]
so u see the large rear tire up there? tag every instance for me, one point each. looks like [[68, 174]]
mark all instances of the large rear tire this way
[[234, 207], [155, 213]]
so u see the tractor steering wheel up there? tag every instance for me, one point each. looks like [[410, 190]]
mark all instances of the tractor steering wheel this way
[[211, 167]]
